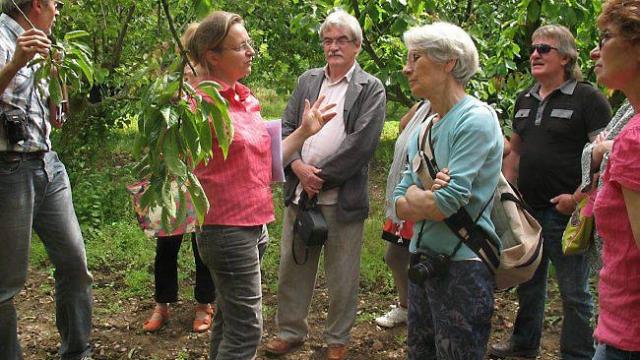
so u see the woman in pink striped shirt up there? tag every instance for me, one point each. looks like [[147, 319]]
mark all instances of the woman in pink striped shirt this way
[[617, 208], [238, 187]]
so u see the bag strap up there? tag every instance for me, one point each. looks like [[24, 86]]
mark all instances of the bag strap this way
[[461, 222], [293, 250]]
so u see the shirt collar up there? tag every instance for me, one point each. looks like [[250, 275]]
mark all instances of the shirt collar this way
[[347, 76], [567, 88], [230, 93], [11, 24]]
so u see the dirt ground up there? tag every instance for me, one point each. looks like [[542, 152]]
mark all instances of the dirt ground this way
[[117, 325]]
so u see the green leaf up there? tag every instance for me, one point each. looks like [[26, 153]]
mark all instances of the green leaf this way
[[168, 202], [75, 35], [190, 134], [170, 92], [206, 139], [210, 88], [85, 64], [198, 198], [171, 155], [203, 7], [170, 116], [55, 91], [221, 121]]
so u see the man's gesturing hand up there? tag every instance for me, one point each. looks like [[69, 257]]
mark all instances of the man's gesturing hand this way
[[314, 116]]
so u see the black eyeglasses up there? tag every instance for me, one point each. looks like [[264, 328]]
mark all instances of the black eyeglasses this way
[[59, 5], [341, 41], [542, 48]]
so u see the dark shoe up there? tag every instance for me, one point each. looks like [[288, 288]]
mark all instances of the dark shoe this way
[[337, 352], [507, 349], [278, 346]]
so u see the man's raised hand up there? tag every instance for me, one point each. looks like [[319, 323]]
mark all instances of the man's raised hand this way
[[30, 43]]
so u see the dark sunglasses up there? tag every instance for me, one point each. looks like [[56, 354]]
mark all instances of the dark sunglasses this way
[[542, 48], [59, 5]]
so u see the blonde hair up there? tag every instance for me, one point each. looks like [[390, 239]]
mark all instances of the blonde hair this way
[[210, 33], [187, 36]]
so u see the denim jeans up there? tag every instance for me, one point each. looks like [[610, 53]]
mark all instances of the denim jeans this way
[[606, 352], [449, 317], [232, 255], [166, 271], [572, 272], [35, 194]]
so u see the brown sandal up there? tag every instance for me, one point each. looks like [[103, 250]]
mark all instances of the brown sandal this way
[[157, 319], [202, 321]]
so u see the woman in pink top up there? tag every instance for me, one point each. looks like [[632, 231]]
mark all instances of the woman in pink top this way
[[617, 208], [238, 187]]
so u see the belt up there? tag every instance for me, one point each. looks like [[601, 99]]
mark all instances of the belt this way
[[12, 156]]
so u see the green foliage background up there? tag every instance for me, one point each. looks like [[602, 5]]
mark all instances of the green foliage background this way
[[132, 44]]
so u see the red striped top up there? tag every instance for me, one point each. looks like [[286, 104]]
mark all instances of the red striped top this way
[[238, 188]]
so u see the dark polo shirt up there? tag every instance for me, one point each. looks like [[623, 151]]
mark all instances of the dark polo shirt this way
[[553, 132]]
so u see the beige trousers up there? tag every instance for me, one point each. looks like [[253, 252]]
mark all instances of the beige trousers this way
[[297, 282]]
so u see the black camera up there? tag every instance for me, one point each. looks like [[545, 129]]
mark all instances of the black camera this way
[[427, 264], [15, 125]]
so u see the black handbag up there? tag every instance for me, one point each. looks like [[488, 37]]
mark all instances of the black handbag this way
[[310, 225]]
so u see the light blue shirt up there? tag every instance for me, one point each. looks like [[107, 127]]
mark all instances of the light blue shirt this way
[[468, 141]]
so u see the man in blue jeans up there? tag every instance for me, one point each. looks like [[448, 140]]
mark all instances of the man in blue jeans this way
[[34, 186], [553, 120]]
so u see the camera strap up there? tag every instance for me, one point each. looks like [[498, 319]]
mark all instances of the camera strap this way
[[455, 249], [461, 223]]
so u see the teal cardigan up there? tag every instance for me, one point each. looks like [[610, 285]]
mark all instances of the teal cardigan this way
[[468, 141]]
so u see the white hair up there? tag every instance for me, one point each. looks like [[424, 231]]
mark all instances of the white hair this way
[[442, 42], [341, 19]]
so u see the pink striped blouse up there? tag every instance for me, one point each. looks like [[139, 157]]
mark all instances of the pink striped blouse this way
[[238, 188]]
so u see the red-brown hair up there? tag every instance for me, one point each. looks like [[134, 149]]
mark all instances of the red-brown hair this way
[[624, 15]]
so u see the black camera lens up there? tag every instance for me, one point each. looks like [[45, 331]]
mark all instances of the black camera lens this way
[[419, 272], [431, 266]]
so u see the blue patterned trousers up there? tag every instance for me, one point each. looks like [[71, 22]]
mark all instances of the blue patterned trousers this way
[[450, 317]]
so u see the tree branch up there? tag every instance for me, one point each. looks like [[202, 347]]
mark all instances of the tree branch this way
[[117, 47], [398, 95], [176, 37]]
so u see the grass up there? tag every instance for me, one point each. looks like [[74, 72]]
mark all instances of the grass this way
[[99, 171]]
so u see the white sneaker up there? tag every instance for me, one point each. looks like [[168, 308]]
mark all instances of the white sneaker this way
[[396, 316]]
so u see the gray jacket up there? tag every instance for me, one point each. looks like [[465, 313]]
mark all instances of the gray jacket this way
[[364, 112]]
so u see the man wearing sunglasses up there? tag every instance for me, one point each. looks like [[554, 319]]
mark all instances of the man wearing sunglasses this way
[[553, 121], [35, 193]]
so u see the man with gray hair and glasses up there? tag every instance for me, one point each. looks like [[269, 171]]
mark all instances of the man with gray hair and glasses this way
[[331, 166], [553, 121], [34, 187]]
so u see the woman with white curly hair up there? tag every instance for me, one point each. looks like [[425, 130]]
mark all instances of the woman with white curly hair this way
[[451, 290]]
